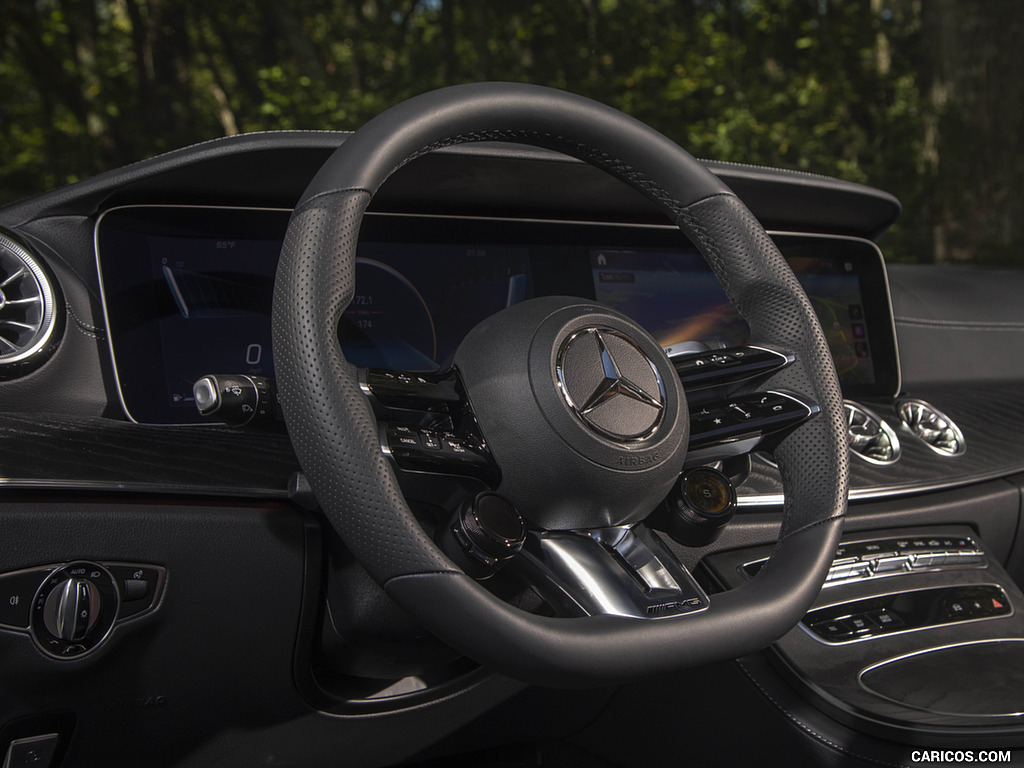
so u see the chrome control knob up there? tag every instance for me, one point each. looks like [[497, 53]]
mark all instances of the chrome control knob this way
[[72, 609]]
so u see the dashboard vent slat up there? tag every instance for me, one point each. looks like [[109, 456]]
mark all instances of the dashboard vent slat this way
[[870, 436], [931, 426], [28, 311]]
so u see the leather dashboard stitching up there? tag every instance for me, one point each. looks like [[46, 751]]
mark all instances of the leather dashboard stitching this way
[[961, 325], [92, 331]]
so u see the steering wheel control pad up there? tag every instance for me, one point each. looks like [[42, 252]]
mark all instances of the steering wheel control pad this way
[[567, 388]]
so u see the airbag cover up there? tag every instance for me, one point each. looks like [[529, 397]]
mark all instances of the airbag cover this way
[[581, 409]]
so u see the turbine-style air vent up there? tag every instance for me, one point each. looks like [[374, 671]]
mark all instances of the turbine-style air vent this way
[[870, 437], [930, 424], [28, 313]]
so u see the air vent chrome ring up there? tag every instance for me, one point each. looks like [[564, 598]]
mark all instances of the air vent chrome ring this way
[[871, 438], [931, 426], [29, 316]]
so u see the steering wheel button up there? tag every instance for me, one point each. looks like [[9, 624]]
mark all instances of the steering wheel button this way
[[455, 445], [430, 441]]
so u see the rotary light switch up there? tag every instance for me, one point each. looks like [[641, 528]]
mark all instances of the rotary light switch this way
[[74, 610]]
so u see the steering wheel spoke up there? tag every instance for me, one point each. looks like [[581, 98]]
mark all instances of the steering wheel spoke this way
[[617, 571]]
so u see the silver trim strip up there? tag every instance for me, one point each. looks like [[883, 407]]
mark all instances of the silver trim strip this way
[[871, 575], [143, 487], [752, 500]]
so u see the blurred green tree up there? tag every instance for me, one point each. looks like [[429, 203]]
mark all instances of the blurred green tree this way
[[921, 99]]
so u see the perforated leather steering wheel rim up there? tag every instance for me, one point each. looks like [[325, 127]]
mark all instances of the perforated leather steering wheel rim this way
[[334, 431]]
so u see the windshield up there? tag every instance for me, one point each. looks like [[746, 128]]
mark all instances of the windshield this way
[[921, 99]]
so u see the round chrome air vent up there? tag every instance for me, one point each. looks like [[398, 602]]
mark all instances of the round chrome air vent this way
[[28, 310], [870, 436], [932, 426]]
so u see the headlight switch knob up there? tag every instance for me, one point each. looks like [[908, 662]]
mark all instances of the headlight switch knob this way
[[72, 609]]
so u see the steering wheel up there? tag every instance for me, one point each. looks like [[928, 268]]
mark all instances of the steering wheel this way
[[566, 468]]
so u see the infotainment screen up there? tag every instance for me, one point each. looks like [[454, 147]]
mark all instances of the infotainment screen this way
[[188, 291], [676, 297]]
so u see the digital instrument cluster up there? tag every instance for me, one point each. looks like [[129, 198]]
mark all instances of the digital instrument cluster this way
[[188, 291]]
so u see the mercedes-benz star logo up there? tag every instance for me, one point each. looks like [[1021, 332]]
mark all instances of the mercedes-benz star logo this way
[[611, 384]]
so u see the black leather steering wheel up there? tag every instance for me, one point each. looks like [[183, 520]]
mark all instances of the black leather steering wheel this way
[[335, 433]]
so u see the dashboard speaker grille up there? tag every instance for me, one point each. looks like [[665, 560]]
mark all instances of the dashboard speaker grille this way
[[932, 426], [870, 436], [27, 308]]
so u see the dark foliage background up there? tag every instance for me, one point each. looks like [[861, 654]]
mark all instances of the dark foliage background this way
[[922, 98]]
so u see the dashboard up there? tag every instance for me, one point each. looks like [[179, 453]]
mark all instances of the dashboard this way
[[250, 635], [187, 291]]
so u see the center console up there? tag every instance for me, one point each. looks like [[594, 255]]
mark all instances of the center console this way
[[917, 633]]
